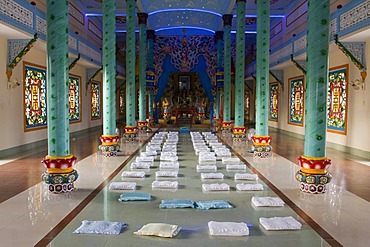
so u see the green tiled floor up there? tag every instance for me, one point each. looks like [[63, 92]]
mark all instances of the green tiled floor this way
[[105, 206]]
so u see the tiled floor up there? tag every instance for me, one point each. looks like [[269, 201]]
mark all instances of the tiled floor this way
[[30, 216]]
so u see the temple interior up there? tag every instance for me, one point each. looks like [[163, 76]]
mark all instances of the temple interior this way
[[148, 122]]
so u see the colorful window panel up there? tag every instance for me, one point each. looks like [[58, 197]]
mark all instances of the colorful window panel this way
[[95, 100], [296, 97], [337, 100], [35, 97], [74, 99], [274, 93], [122, 101], [247, 104]]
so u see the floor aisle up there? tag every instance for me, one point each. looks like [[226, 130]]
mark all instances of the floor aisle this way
[[105, 206], [28, 213]]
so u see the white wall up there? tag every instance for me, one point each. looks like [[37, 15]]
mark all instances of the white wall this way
[[358, 105], [11, 102]]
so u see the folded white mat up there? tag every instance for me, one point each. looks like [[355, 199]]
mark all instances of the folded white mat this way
[[206, 168], [145, 159], [230, 160], [168, 158], [159, 229], [280, 223], [169, 165], [207, 161], [140, 165], [267, 201], [228, 228], [153, 147], [245, 176], [149, 153], [122, 186], [242, 187], [212, 175], [166, 174], [232, 167], [216, 187], [130, 174], [165, 184]]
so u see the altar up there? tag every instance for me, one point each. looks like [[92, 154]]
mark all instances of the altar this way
[[185, 116]]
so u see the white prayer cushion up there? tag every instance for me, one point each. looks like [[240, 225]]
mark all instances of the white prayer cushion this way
[[266, 201], [159, 229], [228, 228], [280, 223]]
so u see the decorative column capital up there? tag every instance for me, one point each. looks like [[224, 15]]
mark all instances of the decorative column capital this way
[[142, 18], [227, 19], [150, 34], [219, 35]]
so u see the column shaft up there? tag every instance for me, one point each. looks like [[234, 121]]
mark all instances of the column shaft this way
[[263, 63], [150, 64], [142, 69], [57, 78], [317, 78], [130, 63], [240, 64], [109, 67], [227, 73]]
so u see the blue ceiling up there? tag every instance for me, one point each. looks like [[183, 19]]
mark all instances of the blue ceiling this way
[[188, 16]]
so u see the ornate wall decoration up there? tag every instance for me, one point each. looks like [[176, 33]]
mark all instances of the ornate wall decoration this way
[[34, 97], [296, 99], [76, 14], [337, 99], [184, 52], [355, 15], [74, 98], [274, 102], [95, 100]]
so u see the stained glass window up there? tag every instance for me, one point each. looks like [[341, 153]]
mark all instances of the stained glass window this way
[[95, 100], [337, 99], [296, 97], [246, 104], [274, 93], [34, 97], [122, 101], [74, 98]]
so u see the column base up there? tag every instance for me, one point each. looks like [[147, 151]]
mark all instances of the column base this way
[[60, 182], [109, 146], [313, 176], [312, 188], [109, 151], [131, 133], [226, 127], [142, 126], [151, 122], [239, 134], [261, 146]]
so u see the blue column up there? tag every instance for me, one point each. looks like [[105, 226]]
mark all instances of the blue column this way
[[239, 128], [150, 67], [142, 124], [261, 140], [130, 129], [109, 138], [59, 174], [314, 162], [220, 72], [226, 123]]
